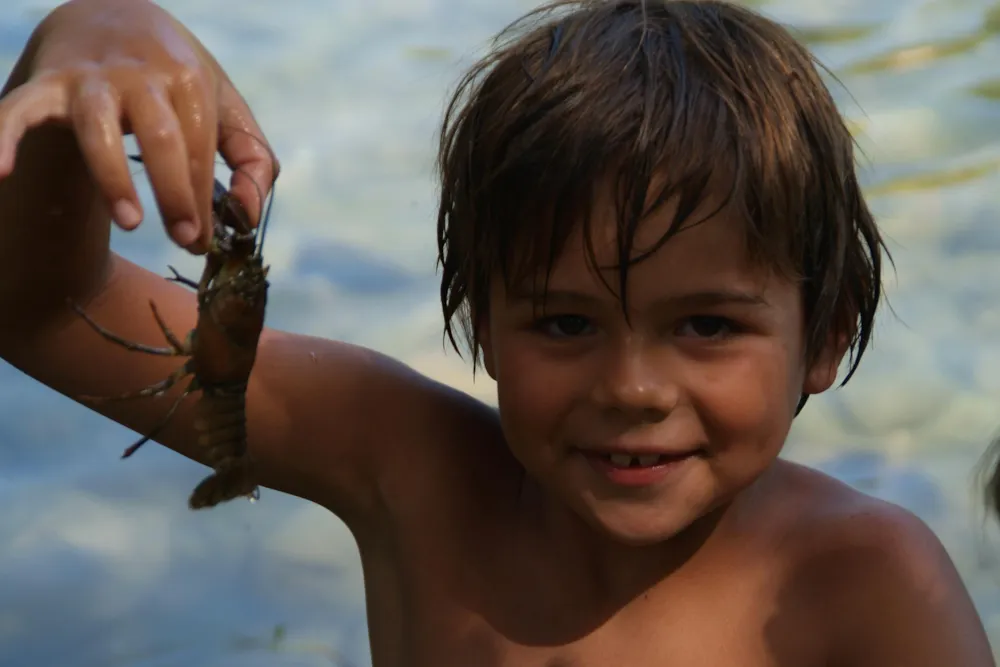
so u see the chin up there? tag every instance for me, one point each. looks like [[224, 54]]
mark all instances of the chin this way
[[640, 524]]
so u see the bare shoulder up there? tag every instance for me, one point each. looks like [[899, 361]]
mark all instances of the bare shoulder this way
[[887, 588]]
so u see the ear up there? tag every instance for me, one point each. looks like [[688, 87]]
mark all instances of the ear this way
[[823, 372]]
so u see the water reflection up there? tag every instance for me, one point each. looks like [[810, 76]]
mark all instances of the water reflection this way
[[926, 52], [834, 34], [931, 180], [102, 563]]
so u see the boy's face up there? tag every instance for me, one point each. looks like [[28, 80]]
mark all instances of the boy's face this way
[[643, 426]]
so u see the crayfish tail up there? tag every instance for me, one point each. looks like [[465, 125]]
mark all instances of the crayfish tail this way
[[238, 479]]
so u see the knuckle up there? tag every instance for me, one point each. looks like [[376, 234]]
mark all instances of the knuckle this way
[[50, 76], [199, 167], [185, 75], [188, 78], [75, 73], [92, 93], [67, 78], [160, 134], [151, 87]]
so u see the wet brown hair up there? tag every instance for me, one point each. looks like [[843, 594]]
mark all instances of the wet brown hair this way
[[667, 92]]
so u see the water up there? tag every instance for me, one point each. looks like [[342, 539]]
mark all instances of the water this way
[[101, 562]]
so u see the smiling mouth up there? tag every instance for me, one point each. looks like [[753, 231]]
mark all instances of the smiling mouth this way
[[639, 461]]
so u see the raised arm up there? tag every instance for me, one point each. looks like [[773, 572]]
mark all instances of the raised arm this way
[[322, 415]]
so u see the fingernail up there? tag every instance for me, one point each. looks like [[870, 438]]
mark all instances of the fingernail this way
[[126, 215], [185, 232]]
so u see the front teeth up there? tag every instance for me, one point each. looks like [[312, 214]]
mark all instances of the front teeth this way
[[628, 461], [621, 460]]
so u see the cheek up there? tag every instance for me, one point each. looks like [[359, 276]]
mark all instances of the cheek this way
[[746, 403], [534, 394]]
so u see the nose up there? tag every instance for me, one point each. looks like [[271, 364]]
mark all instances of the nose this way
[[636, 381]]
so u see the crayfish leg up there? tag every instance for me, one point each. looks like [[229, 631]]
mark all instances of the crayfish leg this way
[[179, 347], [159, 427], [178, 278], [115, 338], [157, 389]]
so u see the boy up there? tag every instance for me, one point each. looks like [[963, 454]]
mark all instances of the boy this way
[[653, 237]]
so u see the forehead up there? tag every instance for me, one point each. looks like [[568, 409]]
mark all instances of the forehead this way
[[707, 248]]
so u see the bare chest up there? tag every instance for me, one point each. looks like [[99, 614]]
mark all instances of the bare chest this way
[[422, 615], [687, 643]]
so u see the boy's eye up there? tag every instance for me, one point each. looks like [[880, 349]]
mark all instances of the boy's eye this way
[[563, 326], [707, 326]]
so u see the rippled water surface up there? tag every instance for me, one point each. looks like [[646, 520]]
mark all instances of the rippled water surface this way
[[101, 564]]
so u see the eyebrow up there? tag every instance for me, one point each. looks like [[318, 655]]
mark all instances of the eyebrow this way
[[699, 299]]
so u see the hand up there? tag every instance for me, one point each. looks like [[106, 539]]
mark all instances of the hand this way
[[108, 68]]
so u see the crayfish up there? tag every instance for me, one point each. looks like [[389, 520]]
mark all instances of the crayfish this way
[[221, 350]]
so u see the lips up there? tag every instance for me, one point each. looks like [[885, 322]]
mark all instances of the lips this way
[[637, 468]]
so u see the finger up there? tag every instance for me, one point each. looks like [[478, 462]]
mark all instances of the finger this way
[[27, 106], [165, 157], [246, 151], [197, 116], [96, 115]]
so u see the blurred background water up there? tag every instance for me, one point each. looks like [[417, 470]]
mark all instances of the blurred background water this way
[[101, 564]]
